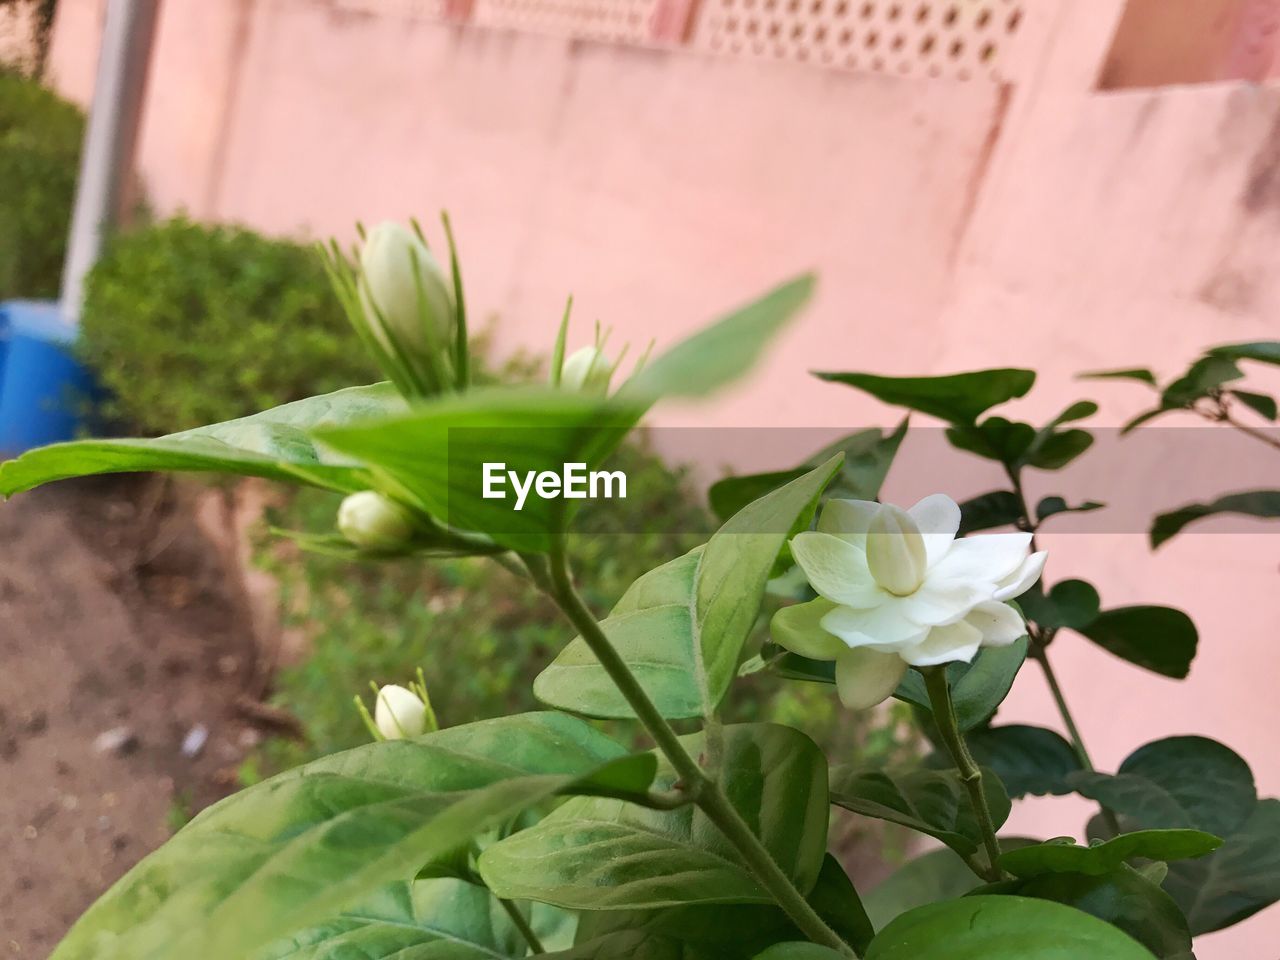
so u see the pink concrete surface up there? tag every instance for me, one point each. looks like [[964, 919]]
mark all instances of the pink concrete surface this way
[[1046, 223]]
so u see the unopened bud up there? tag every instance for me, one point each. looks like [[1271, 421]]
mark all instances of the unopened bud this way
[[399, 713], [403, 290], [374, 522], [587, 371]]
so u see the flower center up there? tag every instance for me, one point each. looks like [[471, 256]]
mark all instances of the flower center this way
[[895, 551]]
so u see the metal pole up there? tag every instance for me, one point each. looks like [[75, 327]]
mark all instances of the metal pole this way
[[106, 163]]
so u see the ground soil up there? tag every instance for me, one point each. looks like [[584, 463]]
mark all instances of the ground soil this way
[[117, 613]]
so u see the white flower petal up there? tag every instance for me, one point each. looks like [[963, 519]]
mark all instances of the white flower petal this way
[[990, 557], [835, 568], [798, 628], [883, 627], [945, 644], [895, 551], [1020, 581], [999, 623], [938, 518], [848, 519], [865, 678], [943, 601]]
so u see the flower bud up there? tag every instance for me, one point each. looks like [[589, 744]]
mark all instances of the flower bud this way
[[402, 289], [399, 713], [896, 551], [374, 522], [587, 371]]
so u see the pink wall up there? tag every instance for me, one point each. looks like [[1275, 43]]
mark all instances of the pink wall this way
[[954, 225]]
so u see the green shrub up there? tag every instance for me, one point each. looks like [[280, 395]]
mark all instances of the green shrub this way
[[40, 136], [188, 324]]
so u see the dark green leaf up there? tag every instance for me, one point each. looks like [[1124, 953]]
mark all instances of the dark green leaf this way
[[959, 398], [272, 444], [1134, 373], [1145, 417], [1233, 884], [798, 950], [930, 878], [1066, 857], [1000, 508], [1080, 410], [731, 494], [995, 438], [977, 688], [721, 353], [682, 626], [1070, 603], [1254, 503], [1264, 351], [1028, 760], [1052, 506], [598, 854], [932, 802], [1160, 639], [1178, 783], [1123, 898], [1204, 376], [299, 848], [1261, 404], [1058, 449], [1002, 928], [448, 919]]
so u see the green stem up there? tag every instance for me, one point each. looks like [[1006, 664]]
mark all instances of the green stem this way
[[944, 717], [522, 925], [705, 792]]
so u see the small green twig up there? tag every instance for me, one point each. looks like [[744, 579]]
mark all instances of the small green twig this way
[[522, 924]]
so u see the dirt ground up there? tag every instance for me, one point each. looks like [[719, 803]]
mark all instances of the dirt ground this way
[[126, 655]]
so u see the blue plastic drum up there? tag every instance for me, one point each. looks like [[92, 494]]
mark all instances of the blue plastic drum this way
[[44, 391]]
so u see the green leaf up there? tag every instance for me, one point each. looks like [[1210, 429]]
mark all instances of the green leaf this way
[[1160, 639], [1052, 506], [1070, 603], [303, 846], [932, 802], [439, 450], [595, 854], [1253, 503], [272, 444], [868, 454], [1260, 403], [1058, 449], [1064, 856], [1203, 377], [959, 398], [682, 626], [630, 945], [1191, 783], [976, 688], [721, 353], [1133, 373], [1002, 928], [1233, 884], [1121, 897], [995, 438], [1264, 351], [930, 878], [798, 951], [1028, 760], [447, 919], [1000, 508]]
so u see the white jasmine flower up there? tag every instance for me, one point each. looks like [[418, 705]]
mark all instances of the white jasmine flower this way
[[897, 589], [399, 713]]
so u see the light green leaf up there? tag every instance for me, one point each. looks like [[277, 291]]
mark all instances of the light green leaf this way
[[930, 878], [721, 353], [444, 919], [1002, 928], [959, 398], [594, 854], [976, 688], [798, 950], [1064, 856], [1160, 639], [272, 444], [932, 802], [682, 626], [299, 848], [1253, 503]]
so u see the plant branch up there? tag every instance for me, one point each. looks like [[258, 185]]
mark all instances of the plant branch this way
[[694, 783], [522, 924], [1223, 415], [944, 717]]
